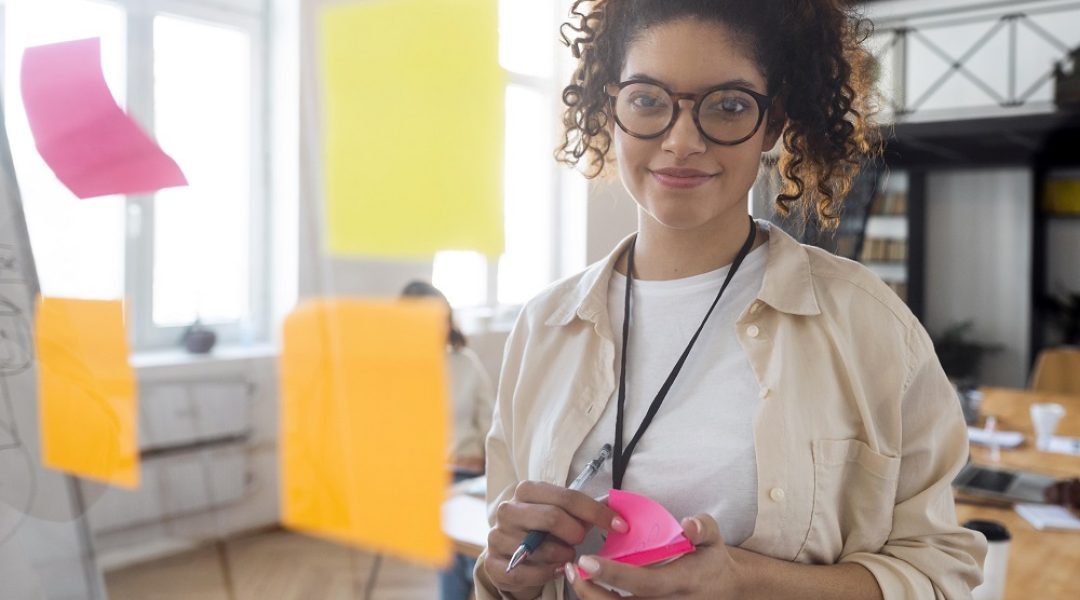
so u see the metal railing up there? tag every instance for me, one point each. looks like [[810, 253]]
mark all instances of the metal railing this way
[[897, 37]]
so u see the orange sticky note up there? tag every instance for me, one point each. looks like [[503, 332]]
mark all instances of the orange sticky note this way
[[364, 425], [88, 407]]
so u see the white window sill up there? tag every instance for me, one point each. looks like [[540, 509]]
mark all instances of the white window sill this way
[[168, 363]]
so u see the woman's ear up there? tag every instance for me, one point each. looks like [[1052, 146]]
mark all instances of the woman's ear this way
[[774, 125]]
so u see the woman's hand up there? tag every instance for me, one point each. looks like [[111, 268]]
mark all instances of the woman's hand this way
[[565, 514], [709, 573]]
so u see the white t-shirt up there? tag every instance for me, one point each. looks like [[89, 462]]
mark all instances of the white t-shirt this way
[[698, 455]]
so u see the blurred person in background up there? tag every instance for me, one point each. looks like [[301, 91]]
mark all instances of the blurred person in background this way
[[472, 402]]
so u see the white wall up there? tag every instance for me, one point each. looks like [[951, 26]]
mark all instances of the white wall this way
[[612, 215], [1063, 241], [978, 252]]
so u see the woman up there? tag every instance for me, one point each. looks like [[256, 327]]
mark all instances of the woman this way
[[471, 407], [781, 401]]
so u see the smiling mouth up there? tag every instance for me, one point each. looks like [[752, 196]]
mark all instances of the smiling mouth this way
[[681, 178]]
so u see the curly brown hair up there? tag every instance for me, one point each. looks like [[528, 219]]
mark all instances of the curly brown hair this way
[[811, 53]]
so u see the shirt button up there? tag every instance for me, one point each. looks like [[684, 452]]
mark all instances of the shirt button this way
[[764, 393], [755, 308], [753, 331], [776, 494]]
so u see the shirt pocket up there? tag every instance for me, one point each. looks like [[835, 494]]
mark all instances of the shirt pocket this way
[[854, 496]]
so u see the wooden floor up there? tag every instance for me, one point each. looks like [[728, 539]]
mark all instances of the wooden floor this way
[[276, 565]]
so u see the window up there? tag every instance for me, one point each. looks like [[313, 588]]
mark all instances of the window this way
[[78, 245], [192, 76], [543, 202]]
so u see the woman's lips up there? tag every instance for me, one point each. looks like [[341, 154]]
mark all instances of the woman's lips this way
[[681, 178]]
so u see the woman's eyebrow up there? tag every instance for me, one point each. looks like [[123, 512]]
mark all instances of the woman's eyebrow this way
[[739, 82]]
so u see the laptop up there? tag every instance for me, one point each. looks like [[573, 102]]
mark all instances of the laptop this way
[[1002, 485]]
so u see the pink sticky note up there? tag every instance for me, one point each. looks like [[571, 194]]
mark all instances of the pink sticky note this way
[[94, 148], [654, 536]]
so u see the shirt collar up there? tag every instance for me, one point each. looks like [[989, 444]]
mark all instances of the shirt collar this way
[[787, 286]]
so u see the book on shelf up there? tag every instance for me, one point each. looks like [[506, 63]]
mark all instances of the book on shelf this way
[[889, 204], [888, 250]]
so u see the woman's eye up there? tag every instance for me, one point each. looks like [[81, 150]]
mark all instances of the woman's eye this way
[[645, 101], [732, 106]]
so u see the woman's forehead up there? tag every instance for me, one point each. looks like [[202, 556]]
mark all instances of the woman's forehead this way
[[690, 55]]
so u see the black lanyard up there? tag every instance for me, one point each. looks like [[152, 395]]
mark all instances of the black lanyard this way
[[621, 458]]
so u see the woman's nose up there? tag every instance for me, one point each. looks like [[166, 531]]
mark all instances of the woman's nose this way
[[684, 139]]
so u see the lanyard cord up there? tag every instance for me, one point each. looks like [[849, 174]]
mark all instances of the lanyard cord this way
[[621, 458]]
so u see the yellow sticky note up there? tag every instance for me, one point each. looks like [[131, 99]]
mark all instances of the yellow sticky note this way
[[413, 127], [364, 425], [88, 406]]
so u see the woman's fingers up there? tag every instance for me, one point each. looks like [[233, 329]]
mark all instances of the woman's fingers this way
[[565, 515], [577, 504], [552, 552], [583, 588], [520, 516], [702, 530], [524, 576]]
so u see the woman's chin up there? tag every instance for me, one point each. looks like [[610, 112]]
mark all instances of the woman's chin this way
[[680, 220]]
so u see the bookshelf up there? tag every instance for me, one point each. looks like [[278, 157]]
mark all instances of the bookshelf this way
[[885, 237], [882, 226]]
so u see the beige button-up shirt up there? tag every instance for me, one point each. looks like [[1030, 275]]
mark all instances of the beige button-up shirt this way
[[858, 436]]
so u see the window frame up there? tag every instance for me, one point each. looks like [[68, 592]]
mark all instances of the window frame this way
[[567, 210], [251, 17]]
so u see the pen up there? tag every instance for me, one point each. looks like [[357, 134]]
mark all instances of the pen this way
[[534, 538]]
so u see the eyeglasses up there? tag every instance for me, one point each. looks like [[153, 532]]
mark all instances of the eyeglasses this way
[[725, 115]]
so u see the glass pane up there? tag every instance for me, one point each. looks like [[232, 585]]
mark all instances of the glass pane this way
[[461, 277], [527, 37], [202, 233], [78, 245], [530, 169]]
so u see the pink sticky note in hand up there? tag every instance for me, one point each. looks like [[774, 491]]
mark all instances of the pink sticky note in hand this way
[[654, 536], [94, 148]]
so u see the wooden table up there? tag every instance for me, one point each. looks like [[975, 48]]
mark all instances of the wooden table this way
[[1042, 564]]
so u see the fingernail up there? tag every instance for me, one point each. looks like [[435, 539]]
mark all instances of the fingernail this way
[[589, 564], [697, 526], [571, 573], [620, 526]]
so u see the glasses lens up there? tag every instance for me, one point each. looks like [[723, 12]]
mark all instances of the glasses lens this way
[[728, 115], [643, 109]]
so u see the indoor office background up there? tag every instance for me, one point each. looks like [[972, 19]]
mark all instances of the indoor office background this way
[[972, 216]]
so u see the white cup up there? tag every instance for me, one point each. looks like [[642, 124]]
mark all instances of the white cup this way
[[1044, 419], [997, 559]]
